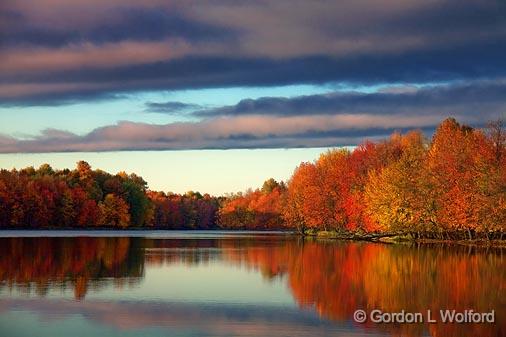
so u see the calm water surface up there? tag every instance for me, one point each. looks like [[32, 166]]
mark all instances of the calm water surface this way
[[237, 284]]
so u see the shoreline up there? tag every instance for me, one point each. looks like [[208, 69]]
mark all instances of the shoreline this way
[[148, 233], [386, 238], [395, 238]]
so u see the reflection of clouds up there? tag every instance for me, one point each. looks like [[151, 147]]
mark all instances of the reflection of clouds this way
[[328, 281], [200, 318]]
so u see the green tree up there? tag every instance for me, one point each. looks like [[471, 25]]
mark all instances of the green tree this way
[[138, 202], [269, 185]]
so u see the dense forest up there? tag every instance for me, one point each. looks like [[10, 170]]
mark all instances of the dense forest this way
[[451, 187], [82, 198]]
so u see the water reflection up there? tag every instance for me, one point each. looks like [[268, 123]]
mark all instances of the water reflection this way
[[327, 280], [42, 263]]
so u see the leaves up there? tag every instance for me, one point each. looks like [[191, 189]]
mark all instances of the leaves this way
[[452, 187]]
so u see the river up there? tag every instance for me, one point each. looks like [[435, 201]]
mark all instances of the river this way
[[160, 283]]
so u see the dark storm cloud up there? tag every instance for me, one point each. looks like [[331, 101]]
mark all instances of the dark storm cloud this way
[[53, 50]]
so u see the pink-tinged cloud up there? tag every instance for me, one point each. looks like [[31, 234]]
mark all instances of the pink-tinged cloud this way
[[88, 55], [82, 14], [57, 50], [250, 131]]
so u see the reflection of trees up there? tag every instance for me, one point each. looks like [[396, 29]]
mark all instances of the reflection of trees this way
[[185, 251], [333, 278], [196, 251], [42, 263], [81, 263], [336, 279]]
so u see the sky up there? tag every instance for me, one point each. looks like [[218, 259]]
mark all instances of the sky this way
[[245, 90]]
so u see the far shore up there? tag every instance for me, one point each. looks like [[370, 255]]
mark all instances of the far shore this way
[[139, 232], [223, 233], [392, 238]]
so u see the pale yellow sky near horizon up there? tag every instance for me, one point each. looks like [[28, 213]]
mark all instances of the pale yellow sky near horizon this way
[[208, 171]]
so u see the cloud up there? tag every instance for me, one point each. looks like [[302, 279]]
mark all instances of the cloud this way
[[333, 119], [56, 94], [214, 71], [481, 98], [297, 28], [71, 49], [170, 107], [249, 131], [88, 55], [118, 24]]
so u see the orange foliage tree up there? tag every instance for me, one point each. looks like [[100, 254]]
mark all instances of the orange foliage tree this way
[[468, 180], [260, 209], [449, 188], [452, 186]]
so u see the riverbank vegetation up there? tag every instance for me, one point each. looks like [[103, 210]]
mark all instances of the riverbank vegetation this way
[[86, 198], [452, 187]]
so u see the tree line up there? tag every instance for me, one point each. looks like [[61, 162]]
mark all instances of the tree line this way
[[86, 198], [450, 187]]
